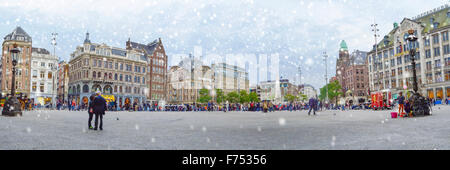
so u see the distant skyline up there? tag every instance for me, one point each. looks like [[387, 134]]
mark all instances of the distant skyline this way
[[298, 31]]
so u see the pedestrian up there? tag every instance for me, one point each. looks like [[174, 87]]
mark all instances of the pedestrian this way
[[99, 110], [407, 108], [401, 102], [91, 110], [312, 106]]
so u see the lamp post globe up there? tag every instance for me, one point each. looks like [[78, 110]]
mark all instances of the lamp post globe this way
[[419, 104], [12, 106]]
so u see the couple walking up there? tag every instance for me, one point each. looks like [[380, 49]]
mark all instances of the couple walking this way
[[97, 107]]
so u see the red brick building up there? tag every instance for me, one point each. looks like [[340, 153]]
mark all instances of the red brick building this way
[[24, 43], [352, 74], [157, 69]]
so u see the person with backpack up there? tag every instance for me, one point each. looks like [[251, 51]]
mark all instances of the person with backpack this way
[[91, 111], [99, 109]]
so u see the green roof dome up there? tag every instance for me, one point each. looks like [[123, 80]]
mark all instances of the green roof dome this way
[[344, 45]]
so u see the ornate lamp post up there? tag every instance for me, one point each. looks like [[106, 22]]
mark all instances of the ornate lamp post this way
[[12, 106], [419, 104]]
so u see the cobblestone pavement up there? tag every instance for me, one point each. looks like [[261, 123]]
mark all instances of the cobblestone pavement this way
[[230, 130]]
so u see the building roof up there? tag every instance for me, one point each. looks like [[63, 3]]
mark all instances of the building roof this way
[[358, 57], [40, 50], [440, 17], [16, 35], [149, 48], [343, 46]]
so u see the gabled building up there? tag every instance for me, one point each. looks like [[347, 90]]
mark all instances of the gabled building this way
[[157, 64], [22, 82]]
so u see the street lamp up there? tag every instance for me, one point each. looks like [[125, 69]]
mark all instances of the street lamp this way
[[54, 69], [419, 104], [13, 106]]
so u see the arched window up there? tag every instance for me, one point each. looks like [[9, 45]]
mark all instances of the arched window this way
[[105, 75], [115, 76], [96, 88], [99, 74], [78, 89], [110, 76], [107, 90], [85, 89], [94, 74]]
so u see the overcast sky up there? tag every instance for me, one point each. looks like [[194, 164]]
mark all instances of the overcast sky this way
[[297, 30]]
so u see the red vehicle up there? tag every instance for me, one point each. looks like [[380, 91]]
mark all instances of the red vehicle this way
[[381, 100]]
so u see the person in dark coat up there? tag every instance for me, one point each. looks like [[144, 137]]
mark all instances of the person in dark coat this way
[[99, 109], [91, 110], [312, 106]]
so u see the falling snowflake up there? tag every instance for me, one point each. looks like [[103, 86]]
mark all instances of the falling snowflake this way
[[282, 121], [204, 129], [136, 126]]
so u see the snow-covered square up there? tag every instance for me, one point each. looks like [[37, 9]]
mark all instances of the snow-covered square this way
[[231, 130]]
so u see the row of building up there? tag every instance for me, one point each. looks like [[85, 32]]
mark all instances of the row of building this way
[[137, 73], [387, 68]]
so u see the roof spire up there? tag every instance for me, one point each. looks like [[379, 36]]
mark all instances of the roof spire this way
[[87, 38], [343, 46]]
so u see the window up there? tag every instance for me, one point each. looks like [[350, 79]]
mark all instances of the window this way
[[106, 64], [95, 63], [116, 66], [34, 73], [121, 66], [115, 76], [49, 75], [428, 65], [399, 60], [446, 49], [400, 71], [437, 51], [445, 36], [121, 77], [94, 74], [42, 74], [426, 42], [34, 84], [110, 65], [427, 53], [42, 64], [99, 63], [436, 39], [437, 63], [41, 87]]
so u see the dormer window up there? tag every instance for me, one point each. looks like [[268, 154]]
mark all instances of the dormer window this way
[[435, 25]]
